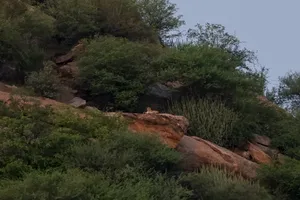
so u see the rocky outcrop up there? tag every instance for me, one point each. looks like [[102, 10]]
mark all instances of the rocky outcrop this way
[[71, 55], [6, 88], [77, 102], [198, 152], [258, 150], [169, 128], [262, 140], [257, 155], [69, 70]]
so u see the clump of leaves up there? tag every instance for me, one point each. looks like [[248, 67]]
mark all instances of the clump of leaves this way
[[210, 120], [45, 82]]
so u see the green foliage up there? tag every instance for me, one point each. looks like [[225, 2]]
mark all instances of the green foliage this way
[[288, 92], [160, 15], [287, 95], [45, 82], [23, 31], [43, 152], [80, 19], [207, 71], [283, 179], [215, 184], [38, 138], [124, 149], [215, 35], [78, 185], [117, 67], [210, 120]]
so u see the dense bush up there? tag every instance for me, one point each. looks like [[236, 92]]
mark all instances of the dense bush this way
[[118, 67], [23, 32], [208, 71], [45, 82], [38, 138], [80, 19], [79, 185], [283, 180], [209, 119], [124, 149], [215, 184]]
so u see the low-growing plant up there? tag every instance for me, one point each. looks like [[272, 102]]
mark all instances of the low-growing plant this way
[[45, 82], [35, 137], [78, 185], [282, 179], [216, 184], [209, 119], [123, 149]]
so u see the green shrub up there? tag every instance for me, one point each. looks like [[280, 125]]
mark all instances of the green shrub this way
[[283, 179], [45, 82], [270, 120], [123, 149], [215, 184], [36, 137], [118, 67], [207, 71], [210, 120], [24, 30], [75, 184], [81, 19]]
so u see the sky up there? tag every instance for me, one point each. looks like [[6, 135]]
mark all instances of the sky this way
[[271, 28]]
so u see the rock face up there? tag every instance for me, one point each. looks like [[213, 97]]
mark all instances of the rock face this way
[[70, 70], [6, 88], [170, 128], [198, 152], [257, 155], [70, 56], [263, 140], [77, 102], [258, 150]]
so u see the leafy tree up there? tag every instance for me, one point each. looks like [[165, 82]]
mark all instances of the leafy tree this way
[[288, 92], [215, 35], [77, 19], [23, 32], [45, 82], [118, 67], [160, 15]]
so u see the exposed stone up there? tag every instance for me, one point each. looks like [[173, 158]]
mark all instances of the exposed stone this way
[[257, 155], [198, 152], [244, 154], [174, 84], [71, 55], [263, 140], [6, 88], [69, 70], [170, 128], [160, 90], [77, 102]]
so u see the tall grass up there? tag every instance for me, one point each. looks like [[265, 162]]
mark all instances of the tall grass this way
[[210, 120], [217, 184]]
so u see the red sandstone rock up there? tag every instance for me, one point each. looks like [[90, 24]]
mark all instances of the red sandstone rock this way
[[198, 152]]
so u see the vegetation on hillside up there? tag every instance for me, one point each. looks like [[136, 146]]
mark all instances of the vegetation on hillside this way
[[129, 45]]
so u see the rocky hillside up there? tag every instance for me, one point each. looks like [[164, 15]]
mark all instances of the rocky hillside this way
[[109, 100]]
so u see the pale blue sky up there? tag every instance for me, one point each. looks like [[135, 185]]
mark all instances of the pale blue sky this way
[[269, 27]]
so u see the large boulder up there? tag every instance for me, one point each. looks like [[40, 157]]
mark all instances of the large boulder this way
[[69, 70], [198, 152], [258, 155], [169, 128], [71, 55], [159, 95], [262, 140], [77, 102]]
